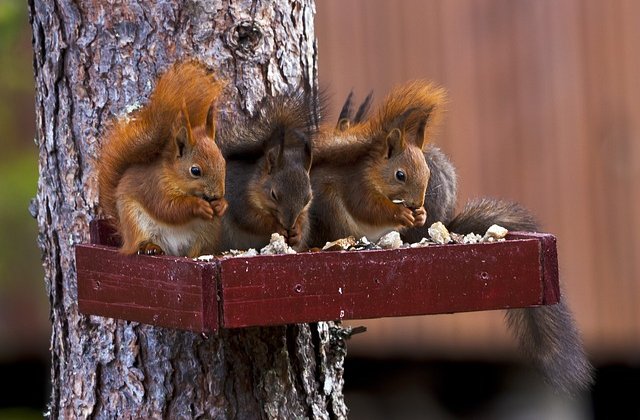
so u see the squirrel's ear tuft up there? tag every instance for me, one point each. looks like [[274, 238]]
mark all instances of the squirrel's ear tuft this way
[[363, 111], [183, 137], [210, 125], [344, 120], [186, 124], [421, 129], [304, 141], [274, 150], [395, 142], [181, 140]]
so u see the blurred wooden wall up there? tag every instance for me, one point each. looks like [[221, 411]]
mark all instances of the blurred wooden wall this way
[[544, 109]]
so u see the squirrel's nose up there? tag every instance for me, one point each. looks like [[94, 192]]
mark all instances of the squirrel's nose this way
[[210, 198], [413, 206]]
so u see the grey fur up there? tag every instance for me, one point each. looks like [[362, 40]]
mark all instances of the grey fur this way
[[548, 335]]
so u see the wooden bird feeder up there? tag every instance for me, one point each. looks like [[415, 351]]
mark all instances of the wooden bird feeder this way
[[232, 292]]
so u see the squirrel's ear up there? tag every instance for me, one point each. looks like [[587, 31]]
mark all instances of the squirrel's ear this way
[[395, 142], [422, 127], [308, 157], [210, 126], [420, 132], [181, 140], [274, 150], [187, 124], [363, 111], [184, 136], [344, 120], [306, 149], [343, 124]]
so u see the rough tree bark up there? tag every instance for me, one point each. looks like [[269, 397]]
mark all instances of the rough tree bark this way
[[92, 60]]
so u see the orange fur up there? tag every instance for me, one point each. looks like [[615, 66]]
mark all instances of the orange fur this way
[[355, 166], [348, 142], [146, 188]]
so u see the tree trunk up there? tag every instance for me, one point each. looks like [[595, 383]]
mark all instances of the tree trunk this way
[[93, 60]]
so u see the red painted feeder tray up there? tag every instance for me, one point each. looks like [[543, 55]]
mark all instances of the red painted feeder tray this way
[[233, 292]]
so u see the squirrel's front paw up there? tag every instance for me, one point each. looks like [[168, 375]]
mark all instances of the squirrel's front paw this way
[[404, 216], [219, 206], [149, 248], [294, 235], [202, 209], [420, 216]]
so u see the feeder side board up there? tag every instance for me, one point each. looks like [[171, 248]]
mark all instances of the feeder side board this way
[[163, 291], [104, 233], [548, 261], [270, 290]]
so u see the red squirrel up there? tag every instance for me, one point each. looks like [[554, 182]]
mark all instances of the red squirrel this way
[[268, 163], [370, 177], [161, 174], [548, 334], [440, 198]]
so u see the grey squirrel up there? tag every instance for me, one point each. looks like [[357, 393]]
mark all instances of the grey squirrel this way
[[268, 162], [548, 334]]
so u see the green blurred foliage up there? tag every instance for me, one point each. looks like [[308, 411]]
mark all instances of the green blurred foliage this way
[[20, 414], [24, 309], [16, 78], [19, 254]]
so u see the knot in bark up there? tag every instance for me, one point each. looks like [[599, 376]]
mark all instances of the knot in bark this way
[[244, 38]]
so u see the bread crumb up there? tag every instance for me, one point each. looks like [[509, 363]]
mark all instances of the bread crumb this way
[[495, 233], [439, 233], [277, 245], [390, 241]]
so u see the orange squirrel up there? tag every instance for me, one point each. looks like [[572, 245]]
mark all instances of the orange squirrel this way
[[440, 198], [370, 177], [268, 162], [160, 172], [548, 334]]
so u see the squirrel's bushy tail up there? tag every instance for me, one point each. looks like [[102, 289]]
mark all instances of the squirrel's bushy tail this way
[[549, 337], [246, 139], [479, 214], [408, 106], [548, 334], [421, 98], [142, 136]]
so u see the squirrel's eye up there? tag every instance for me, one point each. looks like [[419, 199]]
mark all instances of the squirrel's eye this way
[[273, 195], [196, 172], [400, 176]]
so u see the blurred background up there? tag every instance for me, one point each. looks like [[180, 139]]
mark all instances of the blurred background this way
[[544, 109], [24, 310]]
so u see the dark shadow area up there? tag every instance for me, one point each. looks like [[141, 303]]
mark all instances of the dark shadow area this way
[[401, 389]]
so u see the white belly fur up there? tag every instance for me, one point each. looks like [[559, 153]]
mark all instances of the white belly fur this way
[[359, 229], [173, 239]]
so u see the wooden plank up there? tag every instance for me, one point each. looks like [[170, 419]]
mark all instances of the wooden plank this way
[[280, 289], [548, 262], [270, 290], [164, 291], [103, 233]]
